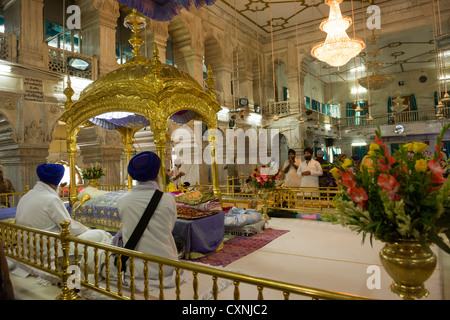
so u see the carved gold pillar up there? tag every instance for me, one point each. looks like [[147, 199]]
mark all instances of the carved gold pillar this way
[[215, 173], [71, 150], [212, 125], [127, 139], [160, 142]]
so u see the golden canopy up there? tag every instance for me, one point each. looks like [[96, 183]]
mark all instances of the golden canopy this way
[[145, 87]]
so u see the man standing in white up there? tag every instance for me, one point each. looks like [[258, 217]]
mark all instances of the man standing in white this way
[[157, 238], [310, 170], [290, 169]]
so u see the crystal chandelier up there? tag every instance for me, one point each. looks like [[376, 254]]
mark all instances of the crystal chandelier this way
[[376, 80], [398, 105], [338, 48]]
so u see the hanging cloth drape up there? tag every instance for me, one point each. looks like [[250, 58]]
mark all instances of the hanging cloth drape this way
[[389, 105], [414, 115], [436, 100], [447, 148], [361, 151], [308, 102]]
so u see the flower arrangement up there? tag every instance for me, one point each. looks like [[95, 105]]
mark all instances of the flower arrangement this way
[[93, 171], [264, 178], [403, 196]]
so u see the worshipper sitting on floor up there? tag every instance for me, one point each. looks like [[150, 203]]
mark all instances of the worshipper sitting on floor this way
[[6, 186], [157, 238], [248, 188], [42, 208]]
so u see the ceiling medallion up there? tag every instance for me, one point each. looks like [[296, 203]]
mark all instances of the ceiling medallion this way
[[338, 48]]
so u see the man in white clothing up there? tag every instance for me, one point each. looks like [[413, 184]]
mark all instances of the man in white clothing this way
[[290, 169], [157, 238], [310, 170], [42, 208], [177, 174]]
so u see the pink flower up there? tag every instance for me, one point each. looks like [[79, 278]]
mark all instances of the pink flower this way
[[348, 181], [390, 184], [435, 166], [436, 178], [386, 166], [358, 195], [378, 141]]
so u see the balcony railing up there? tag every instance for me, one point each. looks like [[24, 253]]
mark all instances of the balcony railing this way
[[284, 108], [390, 118], [8, 47], [281, 108], [57, 62]]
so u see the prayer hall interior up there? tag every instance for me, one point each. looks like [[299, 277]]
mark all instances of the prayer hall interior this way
[[257, 62]]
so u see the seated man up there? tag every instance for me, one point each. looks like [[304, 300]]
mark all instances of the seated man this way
[[6, 186], [157, 238], [42, 208]]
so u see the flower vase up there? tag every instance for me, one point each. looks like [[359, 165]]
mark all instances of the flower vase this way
[[409, 265], [94, 183], [264, 195]]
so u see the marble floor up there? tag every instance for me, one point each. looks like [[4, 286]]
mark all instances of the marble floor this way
[[313, 253]]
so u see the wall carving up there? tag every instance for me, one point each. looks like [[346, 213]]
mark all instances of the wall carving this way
[[34, 133]]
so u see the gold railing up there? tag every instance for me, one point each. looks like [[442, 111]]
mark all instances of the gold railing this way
[[13, 198], [294, 199], [30, 246]]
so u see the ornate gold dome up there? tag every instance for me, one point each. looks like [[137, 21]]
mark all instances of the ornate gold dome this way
[[132, 77]]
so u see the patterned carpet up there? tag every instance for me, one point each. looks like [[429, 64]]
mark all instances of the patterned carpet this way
[[240, 246]]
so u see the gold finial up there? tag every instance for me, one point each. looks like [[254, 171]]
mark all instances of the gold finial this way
[[156, 64], [210, 80], [68, 91], [135, 21]]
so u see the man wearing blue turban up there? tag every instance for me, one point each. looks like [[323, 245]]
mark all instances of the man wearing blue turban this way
[[42, 208], [157, 238]]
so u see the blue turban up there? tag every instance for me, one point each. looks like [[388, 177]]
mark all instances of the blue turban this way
[[144, 166], [50, 172], [321, 152]]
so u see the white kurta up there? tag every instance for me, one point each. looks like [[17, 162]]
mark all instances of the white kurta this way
[[292, 178], [311, 181], [157, 238], [176, 171], [41, 208]]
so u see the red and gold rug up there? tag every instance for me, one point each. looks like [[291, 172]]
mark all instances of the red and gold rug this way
[[240, 246]]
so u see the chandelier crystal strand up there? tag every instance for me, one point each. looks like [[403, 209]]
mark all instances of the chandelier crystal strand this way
[[301, 120], [358, 107], [275, 118], [338, 48]]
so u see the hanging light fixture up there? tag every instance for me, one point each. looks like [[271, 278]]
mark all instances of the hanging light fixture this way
[[338, 48]]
